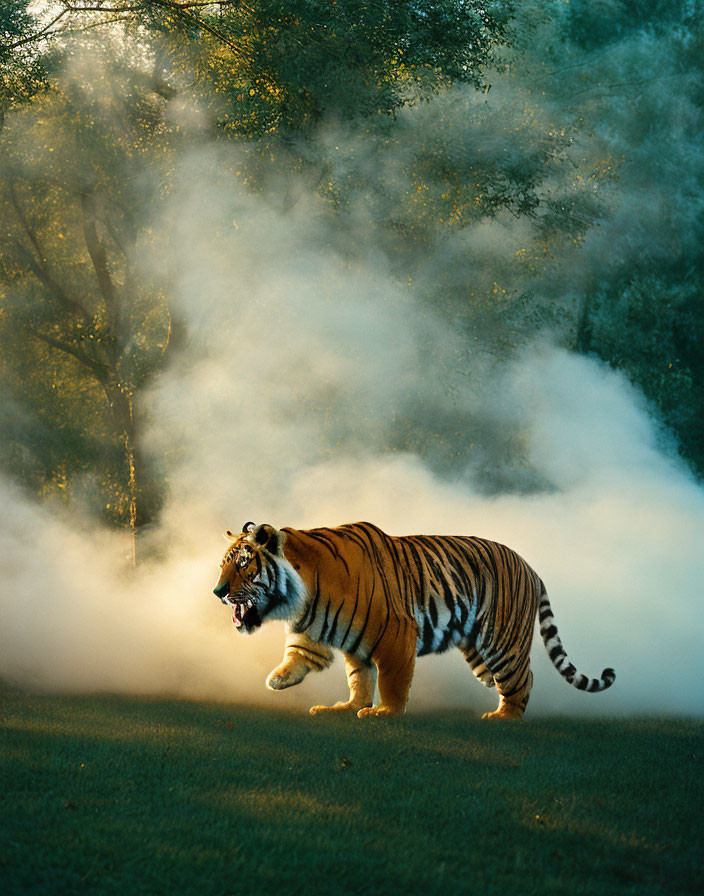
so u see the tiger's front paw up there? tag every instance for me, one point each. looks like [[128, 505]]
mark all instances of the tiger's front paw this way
[[337, 707], [380, 711], [286, 675]]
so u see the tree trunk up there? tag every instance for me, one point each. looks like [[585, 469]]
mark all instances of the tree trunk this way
[[120, 400]]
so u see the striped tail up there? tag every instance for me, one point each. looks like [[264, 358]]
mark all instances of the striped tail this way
[[556, 652]]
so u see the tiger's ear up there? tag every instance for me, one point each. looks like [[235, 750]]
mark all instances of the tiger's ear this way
[[228, 536], [248, 527], [268, 537]]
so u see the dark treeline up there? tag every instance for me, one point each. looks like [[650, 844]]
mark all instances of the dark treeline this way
[[529, 169]]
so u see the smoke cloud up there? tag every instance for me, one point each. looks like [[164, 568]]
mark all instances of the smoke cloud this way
[[308, 372], [615, 544]]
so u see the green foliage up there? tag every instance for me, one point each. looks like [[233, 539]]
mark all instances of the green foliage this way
[[285, 65], [86, 163], [22, 67], [119, 796], [642, 83], [83, 328], [482, 201], [652, 328]]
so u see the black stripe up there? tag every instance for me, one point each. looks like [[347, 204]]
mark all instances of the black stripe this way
[[445, 642], [325, 621], [302, 625], [474, 634], [300, 649], [496, 667], [358, 639], [467, 569], [383, 632], [333, 627], [487, 557], [433, 610], [354, 610], [421, 572], [432, 549], [374, 535], [518, 684], [464, 613], [326, 541], [400, 568], [427, 643], [448, 598]]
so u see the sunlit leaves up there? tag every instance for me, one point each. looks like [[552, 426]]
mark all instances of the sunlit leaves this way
[[83, 328]]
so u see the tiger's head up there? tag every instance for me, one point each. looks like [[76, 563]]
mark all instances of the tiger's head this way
[[257, 580]]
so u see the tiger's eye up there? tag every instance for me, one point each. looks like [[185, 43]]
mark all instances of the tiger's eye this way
[[244, 556]]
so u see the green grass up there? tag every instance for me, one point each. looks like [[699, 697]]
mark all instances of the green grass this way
[[111, 795]]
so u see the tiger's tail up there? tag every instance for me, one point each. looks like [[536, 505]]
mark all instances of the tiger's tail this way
[[556, 652]]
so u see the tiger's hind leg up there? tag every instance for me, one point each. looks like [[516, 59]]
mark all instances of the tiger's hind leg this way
[[301, 656], [361, 680], [478, 666], [514, 687]]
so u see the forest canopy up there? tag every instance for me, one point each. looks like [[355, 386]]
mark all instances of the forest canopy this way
[[528, 170]]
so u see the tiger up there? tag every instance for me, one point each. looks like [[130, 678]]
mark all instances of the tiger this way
[[384, 600]]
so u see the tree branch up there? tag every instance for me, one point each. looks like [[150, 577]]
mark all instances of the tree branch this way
[[138, 7], [100, 370], [113, 8], [38, 35], [181, 9], [40, 271], [98, 256]]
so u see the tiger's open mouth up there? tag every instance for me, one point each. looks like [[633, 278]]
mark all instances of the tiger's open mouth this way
[[244, 612]]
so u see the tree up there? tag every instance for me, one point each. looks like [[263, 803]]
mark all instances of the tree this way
[[281, 80], [286, 64], [512, 211], [22, 65], [641, 307], [83, 328]]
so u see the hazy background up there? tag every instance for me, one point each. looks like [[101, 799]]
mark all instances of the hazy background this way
[[319, 380]]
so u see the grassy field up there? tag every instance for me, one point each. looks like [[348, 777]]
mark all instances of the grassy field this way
[[112, 795]]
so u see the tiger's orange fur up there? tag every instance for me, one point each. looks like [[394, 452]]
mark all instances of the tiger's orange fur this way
[[383, 600]]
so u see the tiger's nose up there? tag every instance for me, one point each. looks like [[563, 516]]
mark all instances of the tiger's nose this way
[[222, 590]]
